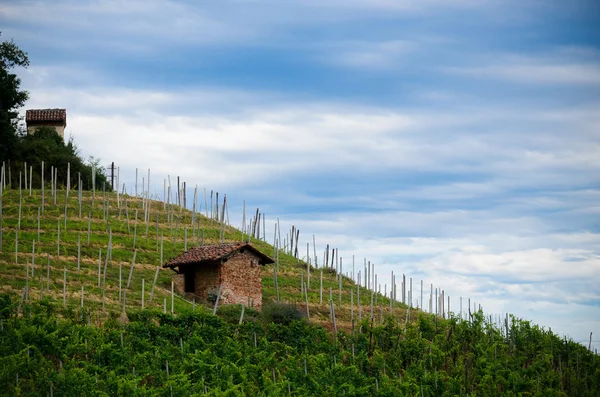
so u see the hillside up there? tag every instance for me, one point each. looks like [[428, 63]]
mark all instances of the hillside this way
[[90, 336]]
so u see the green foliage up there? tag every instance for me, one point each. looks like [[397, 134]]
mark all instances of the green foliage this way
[[48, 146], [196, 353], [11, 96], [282, 313], [232, 314]]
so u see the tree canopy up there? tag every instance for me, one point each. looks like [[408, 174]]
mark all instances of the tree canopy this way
[[18, 149], [12, 97]]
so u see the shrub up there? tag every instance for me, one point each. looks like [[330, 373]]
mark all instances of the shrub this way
[[231, 314], [281, 313]]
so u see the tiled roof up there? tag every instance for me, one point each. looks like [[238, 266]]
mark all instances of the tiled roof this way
[[33, 115], [212, 253]]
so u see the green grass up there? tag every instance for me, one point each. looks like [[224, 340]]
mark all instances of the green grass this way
[[167, 228]]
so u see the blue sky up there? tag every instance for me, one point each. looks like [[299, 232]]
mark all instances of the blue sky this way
[[456, 141]]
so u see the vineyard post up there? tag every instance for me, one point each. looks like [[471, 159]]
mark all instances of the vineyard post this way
[[154, 284], [242, 315], [358, 306], [217, 300], [131, 269], [42, 183], [65, 286], [78, 252], [27, 280], [172, 297], [143, 292], [16, 247], [30, 178], [134, 228], [48, 275], [79, 192], [68, 179], [340, 277], [32, 258], [66, 205], [89, 226], [20, 203], [120, 279], [99, 265], [321, 288], [306, 296], [307, 264], [55, 183], [82, 296], [352, 305], [332, 311]]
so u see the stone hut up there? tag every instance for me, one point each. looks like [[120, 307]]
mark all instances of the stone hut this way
[[237, 267], [56, 118]]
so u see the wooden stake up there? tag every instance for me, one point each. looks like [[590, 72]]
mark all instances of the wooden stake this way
[[131, 269], [78, 252], [217, 301], [154, 284], [65, 287]]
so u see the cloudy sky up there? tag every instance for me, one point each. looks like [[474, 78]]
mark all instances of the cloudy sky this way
[[455, 141]]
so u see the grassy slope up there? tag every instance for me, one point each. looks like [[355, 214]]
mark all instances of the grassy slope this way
[[174, 223]]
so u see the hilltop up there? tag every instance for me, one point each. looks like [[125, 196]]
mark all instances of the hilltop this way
[[80, 315]]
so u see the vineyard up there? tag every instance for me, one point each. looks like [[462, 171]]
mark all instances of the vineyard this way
[[87, 309]]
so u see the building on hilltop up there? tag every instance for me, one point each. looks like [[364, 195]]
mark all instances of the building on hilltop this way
[[56, 118], [237, 267]]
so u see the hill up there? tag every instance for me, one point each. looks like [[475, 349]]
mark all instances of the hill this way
[[87, 310]]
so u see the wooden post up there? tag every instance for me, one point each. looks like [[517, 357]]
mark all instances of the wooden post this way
[[217, 301], [242, 314], [172, 297], [32, 258], [78, 252], [65, 287], [321, 288], [131, 269], [154, 284], [42, 183], [143, 293], [99, 265]]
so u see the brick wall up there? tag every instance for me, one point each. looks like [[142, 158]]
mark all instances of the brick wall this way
[[241, 275]]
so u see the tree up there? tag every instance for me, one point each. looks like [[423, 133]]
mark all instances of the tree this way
[[11, 96]]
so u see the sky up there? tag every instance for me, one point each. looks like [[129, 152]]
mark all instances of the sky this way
[[454, 141]]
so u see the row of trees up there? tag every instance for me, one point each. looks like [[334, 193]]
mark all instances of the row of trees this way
[[19, 150]]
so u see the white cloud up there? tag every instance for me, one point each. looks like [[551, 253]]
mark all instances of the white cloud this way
[[553, 69]]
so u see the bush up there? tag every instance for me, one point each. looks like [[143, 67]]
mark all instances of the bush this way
[[281, 313], [231, 314]]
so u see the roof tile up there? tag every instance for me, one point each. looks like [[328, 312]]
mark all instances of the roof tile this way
[[212, 253], [33, 115]]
